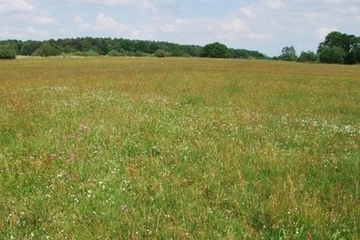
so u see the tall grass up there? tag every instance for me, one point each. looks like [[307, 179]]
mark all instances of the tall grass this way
[[132, 148]]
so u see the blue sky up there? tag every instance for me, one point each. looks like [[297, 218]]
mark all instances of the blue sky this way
[[263, 25]]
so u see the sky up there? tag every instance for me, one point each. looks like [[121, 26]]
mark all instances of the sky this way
[[262, 25]]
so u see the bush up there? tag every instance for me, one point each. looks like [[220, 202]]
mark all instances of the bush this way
[[78, 53], [91, 53], [47, 50], [113, 53], [7, 51], [139, 54], [161, 53]]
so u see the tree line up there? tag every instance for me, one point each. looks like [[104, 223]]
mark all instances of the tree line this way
[[89, 46], [337, 47]]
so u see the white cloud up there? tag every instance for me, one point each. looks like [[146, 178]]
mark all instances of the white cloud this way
[[134, 33], [103, 21], [260, 36], [175, 25], [11, 6], [104, 24], [274, 4], [44, 20], [22, 33], [32, 30], [249, 12], [78, 20], [200, 30], [139, 4], [109, 25], [264, 25], [302, 23], [233, 24], [81, 25]]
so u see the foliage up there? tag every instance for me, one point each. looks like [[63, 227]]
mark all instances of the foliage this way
[[288, 54], [246, 54], [215, 50], [353, 55], [350, 44], [307, 57], [29, 47], [47, 50], [91, 53], [161, 53], [125, 47], [113, 53], [144, 148], [332, 55], [140, 53], [329, 49], [68, 49], [7, 51]]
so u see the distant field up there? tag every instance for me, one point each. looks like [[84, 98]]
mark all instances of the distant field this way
[[134, 148]]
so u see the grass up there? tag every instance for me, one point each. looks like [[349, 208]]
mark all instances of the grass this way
[[133, 148]]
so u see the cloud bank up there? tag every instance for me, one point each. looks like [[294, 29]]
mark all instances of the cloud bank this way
[[263, 25]]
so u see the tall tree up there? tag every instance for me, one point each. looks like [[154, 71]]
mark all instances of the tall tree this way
[[307, 57], [332, 55], [215, 50], [350, 45], [46, 50], [288, 54]]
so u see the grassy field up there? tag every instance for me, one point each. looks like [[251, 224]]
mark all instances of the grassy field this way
[[134, 148]]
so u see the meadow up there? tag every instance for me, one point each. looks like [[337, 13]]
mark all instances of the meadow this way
[[178, 148]]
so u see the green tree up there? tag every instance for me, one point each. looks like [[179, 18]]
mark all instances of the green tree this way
[[86, 44], [161, 53], [113, 53], [332, 55], [69, 49], [91, 53], [177, 51], [354, 53], [239, 53], [7, 51], [307, 57], [194, 51], [29, 47], [215, 50], [288, 54], [47, 50], [335, 40]]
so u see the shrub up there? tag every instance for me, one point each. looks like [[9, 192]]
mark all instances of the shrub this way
[[7, 51], [161, 53], [46, 50], [91, 53], [113, 53], [139, 54]]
